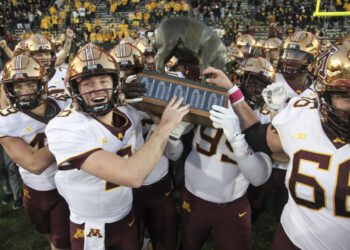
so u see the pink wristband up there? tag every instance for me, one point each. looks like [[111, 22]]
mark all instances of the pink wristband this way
[[235, 95]]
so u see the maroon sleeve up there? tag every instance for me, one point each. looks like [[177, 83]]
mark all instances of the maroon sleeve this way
[[76, 162]]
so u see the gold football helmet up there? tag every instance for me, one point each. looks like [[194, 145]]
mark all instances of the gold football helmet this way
[[333, 77], [260, 43], [91, 60], [127, 39], [273, 43], [38, 44], [246, 43], [236, 57], [26, 70], [298, 54], [145, 46], [272, 48], [235, 53], [259, 49], [129, 58], [257, 74], [19, 48]]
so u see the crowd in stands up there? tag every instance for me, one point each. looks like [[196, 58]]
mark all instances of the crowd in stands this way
[[130, 17]]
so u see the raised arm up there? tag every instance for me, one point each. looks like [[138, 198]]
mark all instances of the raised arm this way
[[261, 137], [61, 56], [6, 49]]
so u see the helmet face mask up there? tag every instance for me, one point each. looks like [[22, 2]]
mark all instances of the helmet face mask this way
[[93, 100], [25, 101], [24, 81], [246, 44], [333, 88], [252, 86], [273, 54], [257, 74], [298, 54], [90, 66], [247, 50], [336, 116]]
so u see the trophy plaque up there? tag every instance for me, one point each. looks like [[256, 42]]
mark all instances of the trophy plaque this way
[[161, 88]]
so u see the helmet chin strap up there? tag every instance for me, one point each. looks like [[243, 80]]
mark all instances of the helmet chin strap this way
[[101, 109]]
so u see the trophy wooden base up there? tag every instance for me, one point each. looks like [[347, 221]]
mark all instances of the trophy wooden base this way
[[161, 88]]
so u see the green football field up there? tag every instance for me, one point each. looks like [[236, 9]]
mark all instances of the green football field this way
[[17, 233]]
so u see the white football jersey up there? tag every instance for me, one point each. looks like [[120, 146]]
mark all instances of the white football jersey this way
[[162, 167], [56, 83], [72, 134], [263, 114], [317, 215], [309, 92], [210, 171], [31, 129]]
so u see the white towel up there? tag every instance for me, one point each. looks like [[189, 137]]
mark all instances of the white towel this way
[[94, 236]]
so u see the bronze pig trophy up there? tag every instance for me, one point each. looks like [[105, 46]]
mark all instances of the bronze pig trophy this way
[[191, 41]]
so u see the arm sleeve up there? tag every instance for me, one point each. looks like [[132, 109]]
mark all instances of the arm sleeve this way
[[256, 137], [256, 167]]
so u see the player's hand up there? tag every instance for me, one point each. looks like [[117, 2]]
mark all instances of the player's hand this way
[[3, 44], [217, 78], [227, 120], [173, 114], [133, 89], [69, 33], [275, 96]]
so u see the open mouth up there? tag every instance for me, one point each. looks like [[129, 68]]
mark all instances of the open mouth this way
[[99, 99]]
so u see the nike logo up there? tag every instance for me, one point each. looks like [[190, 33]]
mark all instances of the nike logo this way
[[240, 215], [167, 193], [132, 222]]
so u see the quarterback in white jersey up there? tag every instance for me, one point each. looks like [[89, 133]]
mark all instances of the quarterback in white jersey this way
[[24, 81], [98, 149], [316, 136]]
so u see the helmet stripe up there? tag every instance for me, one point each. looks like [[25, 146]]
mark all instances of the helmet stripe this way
[[89, 55], [122, 51]]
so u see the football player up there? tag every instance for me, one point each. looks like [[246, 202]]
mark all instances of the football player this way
[[43, 50], [298, 55], [272, 48], [315, 135], [246, 43], [145, 46], [218, 171], [153, 202], [24, 81], [100, 153]]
